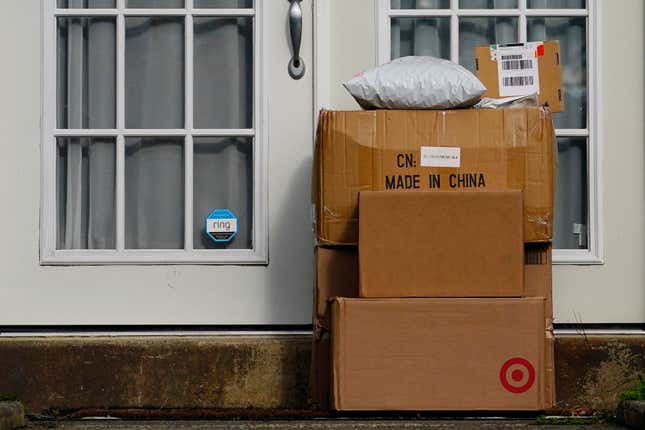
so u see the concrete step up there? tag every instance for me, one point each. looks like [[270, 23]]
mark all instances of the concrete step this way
[[247, 374]]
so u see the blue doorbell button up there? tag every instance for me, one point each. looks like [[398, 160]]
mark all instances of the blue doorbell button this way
[[221, 225]]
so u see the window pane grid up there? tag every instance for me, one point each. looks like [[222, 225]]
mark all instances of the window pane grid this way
[[120, 251]]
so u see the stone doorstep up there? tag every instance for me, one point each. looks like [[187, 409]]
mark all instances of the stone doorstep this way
[[12, 415], [631, 413]]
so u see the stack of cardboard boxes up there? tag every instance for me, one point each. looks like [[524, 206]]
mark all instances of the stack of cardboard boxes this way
[[446, 302]]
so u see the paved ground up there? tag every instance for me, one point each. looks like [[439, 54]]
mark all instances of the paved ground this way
[[312, 424]]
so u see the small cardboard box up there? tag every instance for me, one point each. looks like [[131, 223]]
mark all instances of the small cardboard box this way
[[451, 150], [441, 244], [438, 354], [522, 69]]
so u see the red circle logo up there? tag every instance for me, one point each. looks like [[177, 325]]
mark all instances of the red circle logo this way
[[517, 375]]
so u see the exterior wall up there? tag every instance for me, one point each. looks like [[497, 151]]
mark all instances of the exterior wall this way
[[609, 293]]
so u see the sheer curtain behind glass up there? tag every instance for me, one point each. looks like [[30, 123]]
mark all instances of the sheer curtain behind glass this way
[[154, 99], [223, 97], [427, 36], [86, 89], [571, 205]]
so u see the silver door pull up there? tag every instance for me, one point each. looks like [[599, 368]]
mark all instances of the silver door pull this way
[[296, 64]]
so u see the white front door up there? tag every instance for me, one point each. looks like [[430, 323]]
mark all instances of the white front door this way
[[142, 259]]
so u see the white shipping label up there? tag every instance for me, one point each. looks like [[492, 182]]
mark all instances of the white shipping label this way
[[517, 69], [439, 156]]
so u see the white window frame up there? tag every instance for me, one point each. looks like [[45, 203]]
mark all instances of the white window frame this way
[[49, 255], [594, 253]]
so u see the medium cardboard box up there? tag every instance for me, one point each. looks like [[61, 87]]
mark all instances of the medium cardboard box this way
[[441, 244], [522, 69], [336, 276], [453, 150], [438, 354]]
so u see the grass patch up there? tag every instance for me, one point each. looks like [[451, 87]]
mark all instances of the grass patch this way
[[637, 392]]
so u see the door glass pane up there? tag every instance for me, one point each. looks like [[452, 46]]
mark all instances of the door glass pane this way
[[223, 179], [152, 4], [154, 72], [479, 31], [571, 199], [85, 192], [420, 4], [488, 4], [86, 72], [571, 32], [85, 4], [421, 36], [223, 88], [556, 4], [154, 193], [225, 4]]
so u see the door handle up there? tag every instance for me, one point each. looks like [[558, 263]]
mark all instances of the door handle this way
[[296, 64]]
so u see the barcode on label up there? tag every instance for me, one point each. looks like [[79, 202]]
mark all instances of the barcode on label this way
[[511, 57], [518, 81], [517, 64]]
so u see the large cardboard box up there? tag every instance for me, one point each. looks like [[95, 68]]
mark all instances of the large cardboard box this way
[[522, 69], [438, 354], [441, 244], [453, 150]]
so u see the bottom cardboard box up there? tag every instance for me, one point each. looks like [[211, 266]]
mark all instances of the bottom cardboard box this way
[[438, 354]]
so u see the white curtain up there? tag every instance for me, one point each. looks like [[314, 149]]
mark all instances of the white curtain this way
[[223, 178], [154, 166], [572, 202], [223, 167], [420, 36], [86, 166]]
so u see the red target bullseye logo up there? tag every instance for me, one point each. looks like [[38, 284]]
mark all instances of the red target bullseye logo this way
[[517, 375]]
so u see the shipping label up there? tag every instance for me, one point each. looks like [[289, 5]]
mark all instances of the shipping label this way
[[439, 156], [517, 68]]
